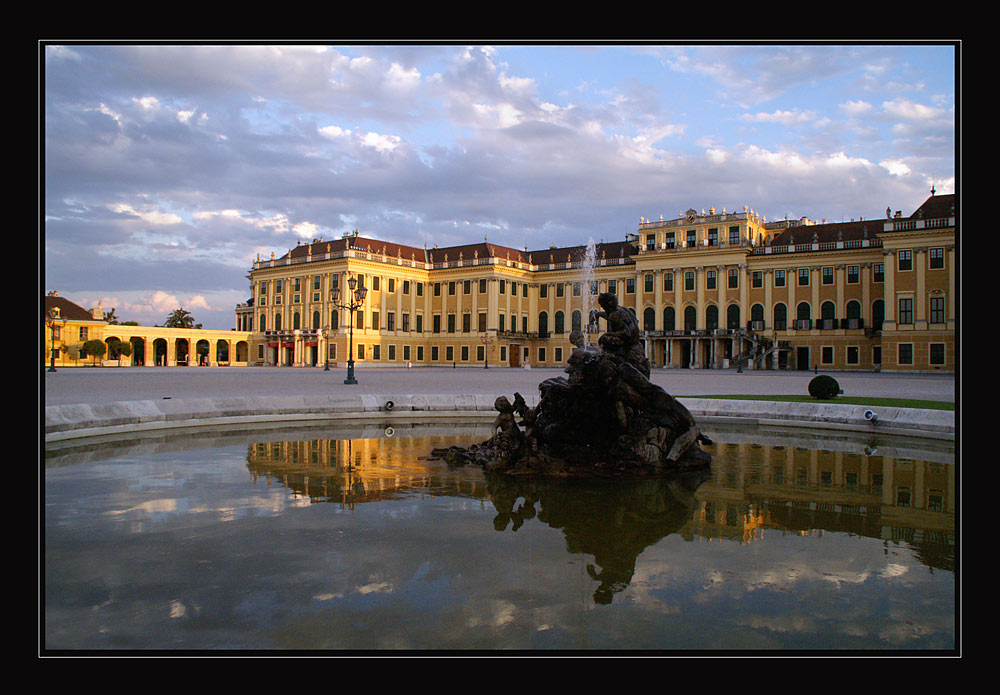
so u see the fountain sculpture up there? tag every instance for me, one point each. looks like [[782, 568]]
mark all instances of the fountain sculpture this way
[[605, 419]]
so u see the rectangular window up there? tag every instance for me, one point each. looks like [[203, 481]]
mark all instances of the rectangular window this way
[[558, 352], [734, 278], [647, 282], [480, 353], [503, 353], [827, 275], [420, 353], [466, 323], [650, 242], [905, 310], [406, 286], [629, 285], [501, 318], [390, 321], [905, 258], [689, 280], [361, 351], [757, 278], [779, 278], [853, 354], [710, 279], [451, 323], [541, 354], [613, 286], [853, 274], [434, 353], [482, 286], [436, 323], [451, 288], [937, 353], [392, 353], [466, 287], [524, 289], [576, 289], [437, 289], [692, 237], [315, 282], [359, 319], [560, 290], [376, 352], [503, 287], [936, 258], [420, 323], [449, 354], [406, 353], [375, 318], [668, 282], [543, 290], [734, 236], [392, 284], [878, 272], [465, 353], [826, 354], [905, 353], [482, 322], [406, 322], [713, 237], [84, 332], [937, 309], [420, 289], [376, 281], [668, 240], [803, 277]]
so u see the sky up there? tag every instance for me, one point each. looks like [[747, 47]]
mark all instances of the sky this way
[[168, 168]]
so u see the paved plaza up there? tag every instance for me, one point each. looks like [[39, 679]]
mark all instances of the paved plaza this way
[[101, 385]]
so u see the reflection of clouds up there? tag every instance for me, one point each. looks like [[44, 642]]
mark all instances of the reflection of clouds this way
[[492, 613]]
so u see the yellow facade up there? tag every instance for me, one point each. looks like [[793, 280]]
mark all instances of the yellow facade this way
[[67, 326], [710, 290]]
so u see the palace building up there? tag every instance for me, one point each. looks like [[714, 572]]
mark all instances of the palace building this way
[[709, 289]]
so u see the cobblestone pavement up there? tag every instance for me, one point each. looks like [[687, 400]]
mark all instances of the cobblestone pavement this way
[[109, 384]]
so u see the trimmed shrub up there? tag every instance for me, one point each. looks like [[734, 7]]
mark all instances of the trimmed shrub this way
[[823, 387]]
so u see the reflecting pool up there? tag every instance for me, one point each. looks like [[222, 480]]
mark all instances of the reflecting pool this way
[[354, 539]]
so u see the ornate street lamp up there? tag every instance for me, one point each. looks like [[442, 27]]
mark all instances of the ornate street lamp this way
[[355, 299], [487, 340], [54, 321]]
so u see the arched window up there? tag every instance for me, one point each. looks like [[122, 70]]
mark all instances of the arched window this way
[[711, 317], [559, 328], [315, 320], [668, 318], [690, 318], [733, 317], [878, 314], [757, 313], [803, 311], [649, 319], [277, 322], [853, 309], [335, 319], [828, 310], [780, 317], [295, 321], [263, 322], [543, 325], [577, 321]]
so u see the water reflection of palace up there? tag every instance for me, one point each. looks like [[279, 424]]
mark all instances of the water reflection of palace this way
[[754, 487], [352, 471], [751, 489]]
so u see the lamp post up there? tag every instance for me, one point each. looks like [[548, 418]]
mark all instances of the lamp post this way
[[53, 320], [355, 298], [487, 340]]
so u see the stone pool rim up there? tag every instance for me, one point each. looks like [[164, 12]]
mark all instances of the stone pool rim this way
[[83, 420]]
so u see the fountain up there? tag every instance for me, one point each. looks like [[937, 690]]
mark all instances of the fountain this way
[[605, 419]]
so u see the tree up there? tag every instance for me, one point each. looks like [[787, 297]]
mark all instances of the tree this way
[[93, 348], [118, 349], [180, 318], [110, 317]]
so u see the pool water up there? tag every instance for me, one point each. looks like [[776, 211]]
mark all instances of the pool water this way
[[321, 539]]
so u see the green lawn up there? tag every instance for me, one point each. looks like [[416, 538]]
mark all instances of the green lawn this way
[[844, 400]]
